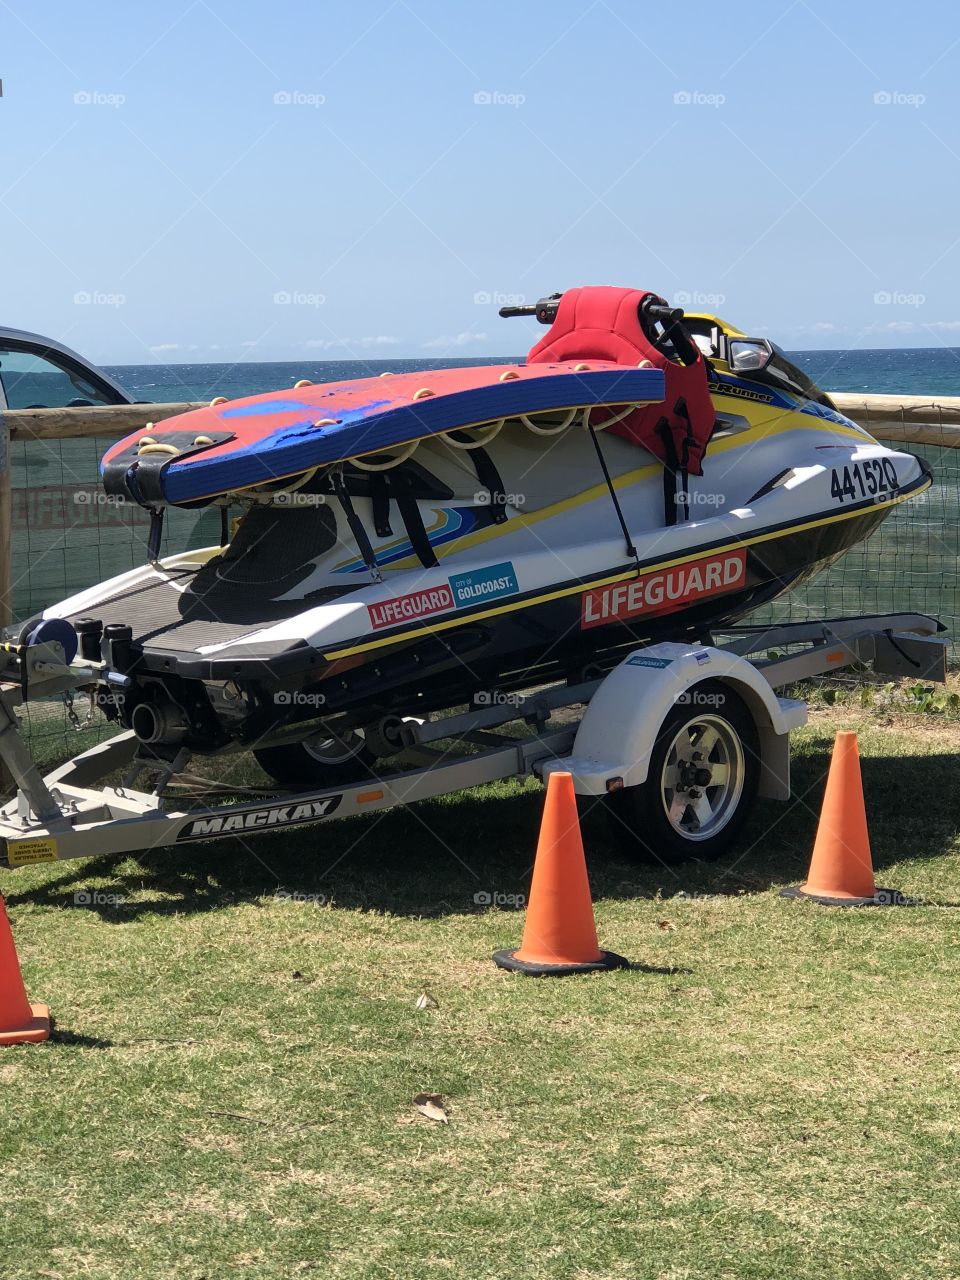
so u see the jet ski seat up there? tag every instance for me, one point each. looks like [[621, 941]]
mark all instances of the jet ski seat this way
[[605, 323]]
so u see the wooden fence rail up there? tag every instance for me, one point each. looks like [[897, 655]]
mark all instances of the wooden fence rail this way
[[99, 420], [17, 425], [911, 419], [933, 420]]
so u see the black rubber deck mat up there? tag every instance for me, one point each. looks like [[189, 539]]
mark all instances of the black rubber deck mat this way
[[235, 593], [273, 550]]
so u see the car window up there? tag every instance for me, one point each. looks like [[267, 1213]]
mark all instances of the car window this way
[[36, 382]]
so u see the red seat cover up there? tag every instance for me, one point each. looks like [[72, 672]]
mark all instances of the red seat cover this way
[[601, 322]]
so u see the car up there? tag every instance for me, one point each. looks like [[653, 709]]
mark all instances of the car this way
[[41, 373]]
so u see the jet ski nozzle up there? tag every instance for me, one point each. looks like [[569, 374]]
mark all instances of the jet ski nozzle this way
[[159, 722]]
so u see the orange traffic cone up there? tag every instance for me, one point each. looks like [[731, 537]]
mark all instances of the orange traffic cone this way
[[20, 1021], [841, 869], [559, 934]]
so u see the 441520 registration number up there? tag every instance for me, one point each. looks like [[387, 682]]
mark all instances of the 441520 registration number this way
[[866, 479]]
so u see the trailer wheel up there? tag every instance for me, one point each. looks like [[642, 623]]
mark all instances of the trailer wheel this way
[[318, 762], [702, 780]]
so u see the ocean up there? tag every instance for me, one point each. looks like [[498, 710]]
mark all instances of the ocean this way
[[914, 371]]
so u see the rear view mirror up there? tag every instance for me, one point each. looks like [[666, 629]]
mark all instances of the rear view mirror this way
[[749, 355]]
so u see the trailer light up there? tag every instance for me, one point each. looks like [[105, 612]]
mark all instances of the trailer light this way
[[614, 784], [368, 797]]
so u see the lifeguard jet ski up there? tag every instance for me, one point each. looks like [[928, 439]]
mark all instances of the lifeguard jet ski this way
[[409, 542]]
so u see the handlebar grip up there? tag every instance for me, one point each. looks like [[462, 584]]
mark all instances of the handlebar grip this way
[[664, 313], [545, 309]]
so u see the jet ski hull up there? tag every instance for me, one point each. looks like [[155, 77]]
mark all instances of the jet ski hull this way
[[510, 549], [437, 639]]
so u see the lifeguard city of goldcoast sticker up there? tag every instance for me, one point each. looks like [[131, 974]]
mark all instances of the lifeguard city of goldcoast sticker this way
[[418, 604], [484, 584], [664, 590]]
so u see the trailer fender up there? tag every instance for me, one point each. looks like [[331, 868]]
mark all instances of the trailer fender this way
[[619, 729]]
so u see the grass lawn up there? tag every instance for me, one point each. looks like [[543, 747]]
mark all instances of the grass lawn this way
[[773, 1090]]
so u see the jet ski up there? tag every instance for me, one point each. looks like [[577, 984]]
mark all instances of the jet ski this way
[[411, 542]]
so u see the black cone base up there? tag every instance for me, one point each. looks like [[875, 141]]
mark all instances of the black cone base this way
[[881, 898], [608, 960]]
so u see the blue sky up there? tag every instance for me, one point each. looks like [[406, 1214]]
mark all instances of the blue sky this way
[[203, 181]]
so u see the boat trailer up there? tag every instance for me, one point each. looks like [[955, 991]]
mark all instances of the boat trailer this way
[[73, 812]]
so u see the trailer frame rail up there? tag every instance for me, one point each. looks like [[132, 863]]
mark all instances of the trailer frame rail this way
[[72, 813]]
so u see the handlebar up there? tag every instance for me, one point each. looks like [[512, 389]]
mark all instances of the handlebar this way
[[545, 310], [664, 313], [653, 311], [674, 333]]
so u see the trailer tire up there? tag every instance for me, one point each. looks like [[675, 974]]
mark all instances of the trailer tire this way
[[303, 764], [679, 811]]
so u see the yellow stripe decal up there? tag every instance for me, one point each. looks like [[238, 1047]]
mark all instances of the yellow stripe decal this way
[[525, 520], [620, 577]]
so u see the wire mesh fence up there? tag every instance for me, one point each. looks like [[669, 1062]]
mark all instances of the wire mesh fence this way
[[67, 536], [911, 564]]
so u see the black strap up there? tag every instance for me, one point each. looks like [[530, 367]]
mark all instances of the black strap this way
[[413, 522], [380, 499], [689, 440], [224, 527], [683, 496], [669, 472], [356, 525], [680, 409], [155, 535], [489, 477], [631, 549]]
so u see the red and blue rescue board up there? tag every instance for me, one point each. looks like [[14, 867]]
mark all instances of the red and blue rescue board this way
[[195, 456]]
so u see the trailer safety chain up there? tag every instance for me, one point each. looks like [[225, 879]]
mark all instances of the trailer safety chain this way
[[75, 721]]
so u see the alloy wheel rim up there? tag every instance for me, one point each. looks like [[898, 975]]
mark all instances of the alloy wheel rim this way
[[702, 777]]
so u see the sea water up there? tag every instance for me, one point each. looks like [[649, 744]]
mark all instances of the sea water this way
[[914, 371]]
